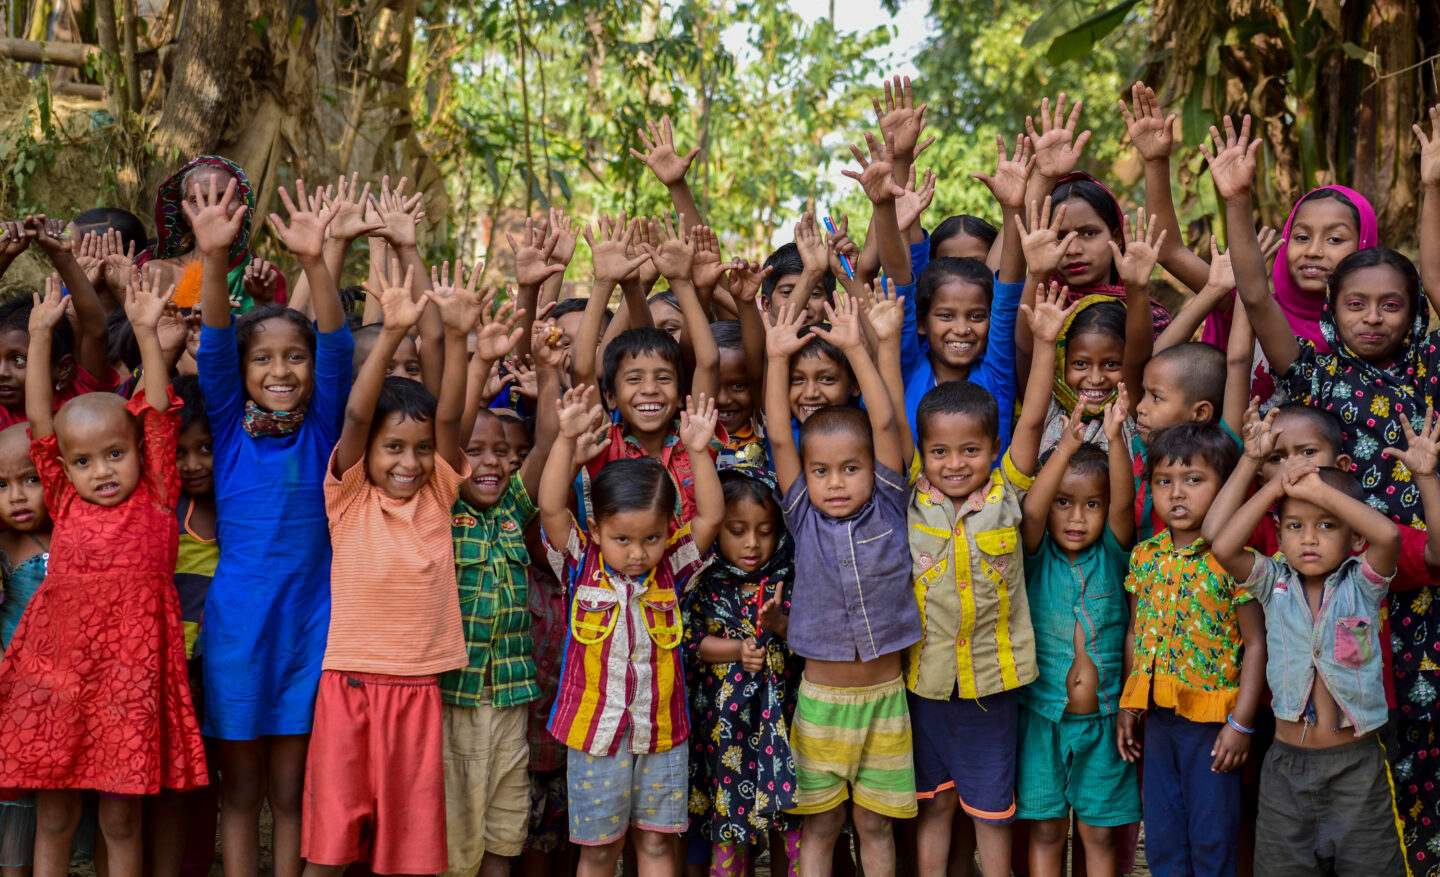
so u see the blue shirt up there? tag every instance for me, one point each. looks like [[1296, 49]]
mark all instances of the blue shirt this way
[[1090, 592], [1342, 644], [267, 614]]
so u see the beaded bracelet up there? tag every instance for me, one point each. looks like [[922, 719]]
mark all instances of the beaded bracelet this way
[[1230, 719], [1137, 714]]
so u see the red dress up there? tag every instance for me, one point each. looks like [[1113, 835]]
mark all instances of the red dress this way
[[94, 692]]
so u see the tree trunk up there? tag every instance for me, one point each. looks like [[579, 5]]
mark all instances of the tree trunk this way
[[202, 87], [110, 65]]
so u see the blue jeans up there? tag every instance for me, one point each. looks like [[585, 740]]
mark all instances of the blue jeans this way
[[1192, 815]]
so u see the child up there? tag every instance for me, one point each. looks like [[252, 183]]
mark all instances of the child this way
[[978, 647], [741, 387], [24, 551], [621, 708], [1092, 363], [742, 775], [1184, 673], [850, 716], [181, 825], [486, 703], [962, 237], [1076, 528], [105, 628], [793, 280], [394, 622], [274, 395], [1326, 799], [406, 362]]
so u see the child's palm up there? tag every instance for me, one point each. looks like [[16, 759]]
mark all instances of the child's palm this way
[[674, 258], [887, 318]]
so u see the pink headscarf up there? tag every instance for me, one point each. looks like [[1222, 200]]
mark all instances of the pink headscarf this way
[[1301, 309]]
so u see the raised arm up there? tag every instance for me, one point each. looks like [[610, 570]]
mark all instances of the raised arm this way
[[669, 167], [1043, 248], [1057, 147], [1382, 536], [145, 305], [874, 177], [574, 412], [401, 310], [744, 279], [1135, 266], [1232, 167], [495, 337], [1239, 361], [566, 234], [459, 308], [534, 266], [782, 341], [885, 311], [1153, 137], [214, 228], [697, 428], [1045, 319], [549, 358], [304, 235], [1035, 507], [1187, 322], [845, 333], [1259, 446], [611, 263], [1234, 523], [675, 258], [1122, 481], [45, 315], [400, 216], [1008, 188], [1430, 208], [14, 240], [91, 337], [1422, 450]]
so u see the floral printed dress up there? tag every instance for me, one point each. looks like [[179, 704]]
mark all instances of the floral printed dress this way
[[742, 775]]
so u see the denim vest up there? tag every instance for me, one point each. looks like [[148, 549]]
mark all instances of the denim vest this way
[[1343, 643]]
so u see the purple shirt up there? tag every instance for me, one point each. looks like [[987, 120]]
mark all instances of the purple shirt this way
[[852, 594]]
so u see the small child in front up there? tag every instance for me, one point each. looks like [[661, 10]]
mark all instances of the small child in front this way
[[621, 708], [93, 688], [1189, 622], [1326, 797], [843, 500], [374, 775]]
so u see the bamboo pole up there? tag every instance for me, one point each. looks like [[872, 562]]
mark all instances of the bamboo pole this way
[[55, 52]]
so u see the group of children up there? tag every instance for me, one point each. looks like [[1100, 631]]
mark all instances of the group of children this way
[[957, 526]]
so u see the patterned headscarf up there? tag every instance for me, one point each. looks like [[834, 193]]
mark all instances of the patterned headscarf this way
[[1064, 395]]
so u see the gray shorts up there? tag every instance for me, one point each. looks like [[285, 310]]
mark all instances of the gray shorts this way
[[1327, 811], [610, 793]]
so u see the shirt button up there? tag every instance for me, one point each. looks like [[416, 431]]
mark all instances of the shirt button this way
[[964, 584], [962, 641], [845, 562]]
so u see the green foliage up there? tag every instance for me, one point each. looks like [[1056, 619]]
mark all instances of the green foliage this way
[[27, 150]]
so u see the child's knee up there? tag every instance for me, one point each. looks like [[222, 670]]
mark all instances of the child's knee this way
[[243, 789], [1049, 832], [942, 806], [602, 854], [119, 819], [57, 812], [1097, 839], [827, 825], [654, 844], [869, 823]]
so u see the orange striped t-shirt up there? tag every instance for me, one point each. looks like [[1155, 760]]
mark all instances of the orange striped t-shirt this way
[[394, 607]]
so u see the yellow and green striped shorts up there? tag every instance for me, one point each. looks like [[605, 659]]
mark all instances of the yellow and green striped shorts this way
[[853, 742]]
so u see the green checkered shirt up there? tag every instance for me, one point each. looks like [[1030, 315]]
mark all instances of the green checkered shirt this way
[[490, 564]]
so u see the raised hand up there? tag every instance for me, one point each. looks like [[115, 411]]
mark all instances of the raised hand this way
[[676, 253], [566, 232], [782, 331], [210, 218], [885, 310], [1232, 164], [1422, 448], [594, 440], [839, 244], [119, 262], [1270, 242], [397, 215], [576, 409], [697, 423], [398, 304], [647, 242], [260, 280], [547, 344], [844, 331], [49, 234], [350, 201], [1136, 263], [304, 234], [668, 166], [1222, 273], [913, 202], [1072, 432], [743, 279], [497, 333], [1043, 246], [706, 267], [1116, 413], [1430, 149], [901, 122], [460, 307], [1057, 149], [874, 174], [609, 256], [1260, 434], [1011, 174], [1049, 313], [47, 311], [13, 239], [810, 243], [533, 253], [146, 301], [1152, 134]]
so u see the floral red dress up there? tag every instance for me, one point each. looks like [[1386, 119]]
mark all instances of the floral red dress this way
[[94, 692]]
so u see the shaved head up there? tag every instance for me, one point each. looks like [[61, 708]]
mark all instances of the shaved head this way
[[15, 441], [89, 410]]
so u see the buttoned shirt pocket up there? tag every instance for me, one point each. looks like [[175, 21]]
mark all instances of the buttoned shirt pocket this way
[[930, 557], [662, 617], [1001, 550], [1352, 642], [592, 619]]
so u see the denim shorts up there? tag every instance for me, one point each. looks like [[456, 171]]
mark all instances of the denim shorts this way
[[609, 793]]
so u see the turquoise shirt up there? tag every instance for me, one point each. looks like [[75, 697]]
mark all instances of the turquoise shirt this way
[[1091, 593]]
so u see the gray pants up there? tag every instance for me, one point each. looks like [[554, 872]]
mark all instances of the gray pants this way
[[1327, 811]]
